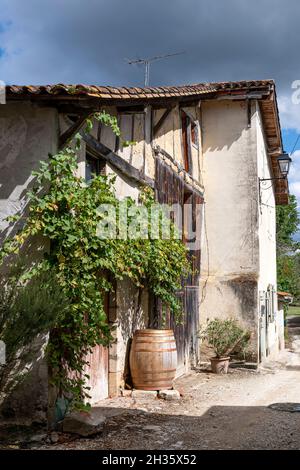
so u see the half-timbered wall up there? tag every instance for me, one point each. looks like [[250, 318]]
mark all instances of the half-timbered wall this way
[[36, 132], [171, 189]]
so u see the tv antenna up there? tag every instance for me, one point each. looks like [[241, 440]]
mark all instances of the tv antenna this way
[[148, 61]]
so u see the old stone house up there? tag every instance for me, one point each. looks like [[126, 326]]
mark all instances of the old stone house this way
[[207, 145]]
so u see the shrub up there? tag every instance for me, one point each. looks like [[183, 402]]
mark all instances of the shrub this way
[[224, 336], [27, 309]]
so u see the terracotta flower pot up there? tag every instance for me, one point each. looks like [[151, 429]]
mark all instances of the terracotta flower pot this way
[[219, 365]]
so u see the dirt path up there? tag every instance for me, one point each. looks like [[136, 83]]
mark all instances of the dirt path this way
[[215, 412]]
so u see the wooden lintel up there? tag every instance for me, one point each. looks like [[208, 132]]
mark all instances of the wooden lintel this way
[[74, 109], [189, 103], [71, 131], [241, 97], [99, 150], [162, 120], [132, 109]]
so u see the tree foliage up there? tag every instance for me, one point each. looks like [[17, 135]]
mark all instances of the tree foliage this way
[[288, 266], [287, 221]]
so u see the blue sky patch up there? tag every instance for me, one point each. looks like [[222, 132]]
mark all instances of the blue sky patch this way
[[289, 137], [4, 26]]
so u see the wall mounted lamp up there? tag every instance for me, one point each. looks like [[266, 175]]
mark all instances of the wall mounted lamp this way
[[284, 163]]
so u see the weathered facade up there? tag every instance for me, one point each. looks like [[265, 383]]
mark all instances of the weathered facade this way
[[204, 145], [239, 254]]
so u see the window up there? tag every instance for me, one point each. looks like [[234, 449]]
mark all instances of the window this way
[[268, 303], [185, 125], [188, 232], [270, 298], [190, 136], [94, 166], [126, 125]]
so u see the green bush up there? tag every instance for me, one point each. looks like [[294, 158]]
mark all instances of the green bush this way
[[224, 336], [27, 309]]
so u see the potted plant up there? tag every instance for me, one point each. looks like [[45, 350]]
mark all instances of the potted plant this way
[[223, 336]]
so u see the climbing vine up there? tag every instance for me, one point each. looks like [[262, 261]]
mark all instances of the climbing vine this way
[[68, 215]]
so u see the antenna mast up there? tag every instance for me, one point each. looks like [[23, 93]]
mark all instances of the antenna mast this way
[[147, 63]]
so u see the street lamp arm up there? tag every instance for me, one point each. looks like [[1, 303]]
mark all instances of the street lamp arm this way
[[275, 178]]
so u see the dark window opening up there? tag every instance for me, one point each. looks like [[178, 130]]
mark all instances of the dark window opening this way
[[189, 221], [190, 136], [94, 166], [126, 126], [185, 121]]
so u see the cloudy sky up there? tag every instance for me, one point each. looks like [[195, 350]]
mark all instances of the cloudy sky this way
[[76, 41]]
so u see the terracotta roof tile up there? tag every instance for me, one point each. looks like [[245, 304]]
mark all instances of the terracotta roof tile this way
[[135, 92], [268, 107]]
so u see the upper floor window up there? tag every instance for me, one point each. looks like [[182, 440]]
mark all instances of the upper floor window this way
[[131, 122], [94, 166], [190, 137]]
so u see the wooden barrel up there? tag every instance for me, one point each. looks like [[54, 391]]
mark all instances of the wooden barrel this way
[[153, 359]]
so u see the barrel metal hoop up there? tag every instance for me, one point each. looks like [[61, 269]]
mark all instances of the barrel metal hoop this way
[[154, 350]]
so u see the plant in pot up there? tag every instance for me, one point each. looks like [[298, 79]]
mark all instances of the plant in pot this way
[[223, 336]]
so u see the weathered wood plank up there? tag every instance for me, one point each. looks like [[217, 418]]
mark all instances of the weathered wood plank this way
[[71, 131], [172, 189], [100, 150], [159, 151]]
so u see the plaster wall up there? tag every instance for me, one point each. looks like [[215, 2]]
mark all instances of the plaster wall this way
[[230, 254], [267, 244], [27, 134]]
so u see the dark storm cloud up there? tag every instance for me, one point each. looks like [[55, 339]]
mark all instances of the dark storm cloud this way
[[77, 41], [86, 41]]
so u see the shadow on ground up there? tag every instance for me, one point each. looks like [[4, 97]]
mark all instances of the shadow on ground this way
[[293, 324], [220, 427]]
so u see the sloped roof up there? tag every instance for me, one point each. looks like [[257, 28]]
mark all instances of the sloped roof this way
[[130, 93], [263, 90], [284, 294]]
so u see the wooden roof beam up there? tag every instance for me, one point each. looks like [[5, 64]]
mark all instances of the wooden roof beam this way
[[160, 122], [72, 130], [101, 151]]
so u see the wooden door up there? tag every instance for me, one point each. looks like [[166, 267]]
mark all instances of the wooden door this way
[[97, 368], [263, 327], [98, 373]]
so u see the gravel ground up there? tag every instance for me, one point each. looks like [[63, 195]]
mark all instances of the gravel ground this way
[[214, 412]]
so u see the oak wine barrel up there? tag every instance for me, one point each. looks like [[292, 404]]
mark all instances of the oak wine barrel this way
[[153, 359]]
